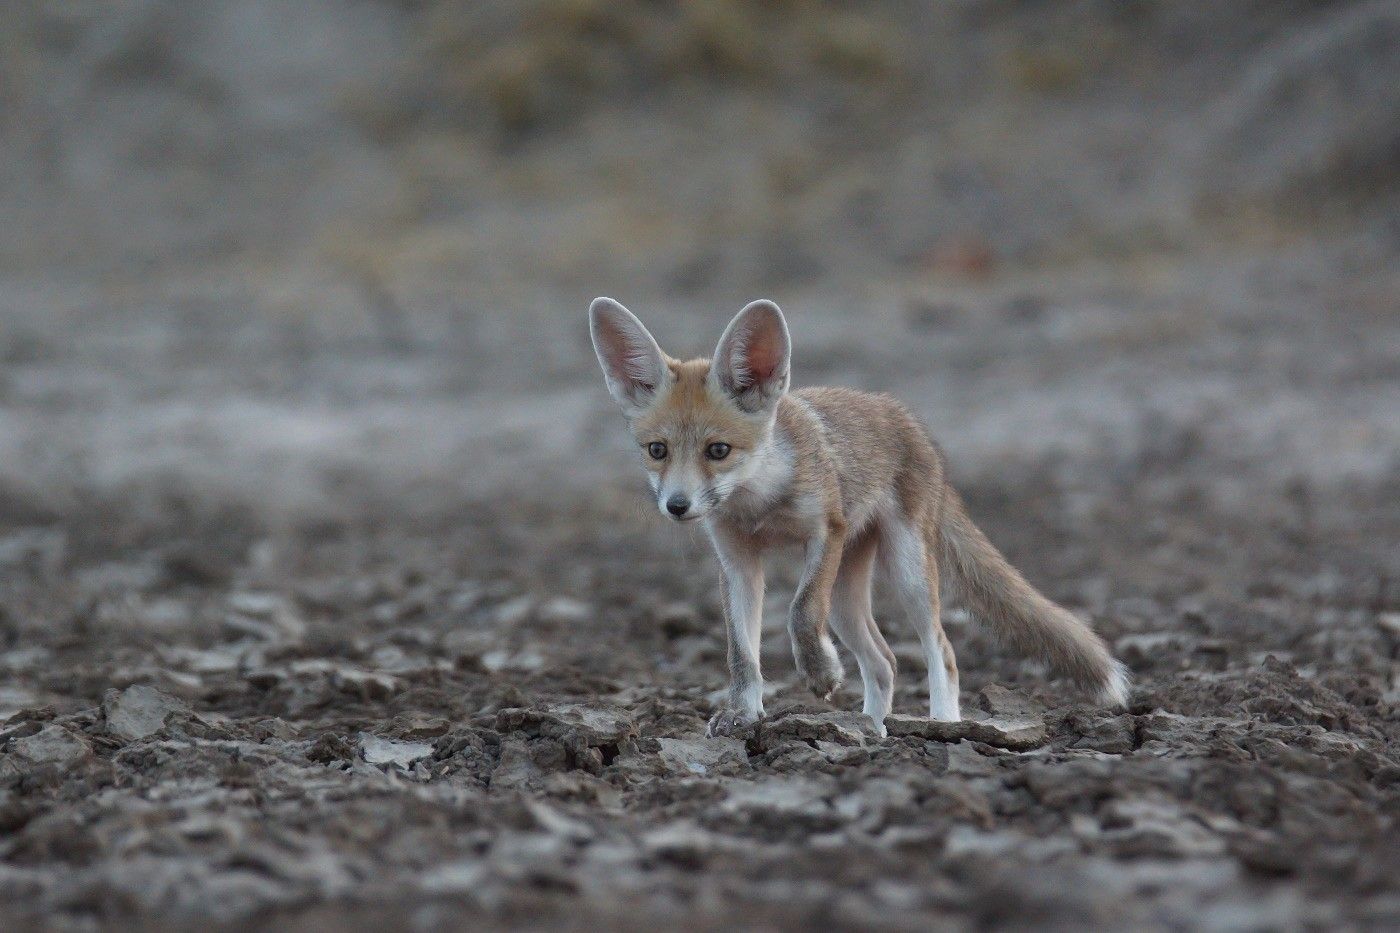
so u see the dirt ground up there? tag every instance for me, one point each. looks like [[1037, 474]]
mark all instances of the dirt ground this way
[[332, 598]]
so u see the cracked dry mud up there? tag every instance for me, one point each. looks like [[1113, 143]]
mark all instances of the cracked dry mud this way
[[330, 594], [384, 699], [415, 742]]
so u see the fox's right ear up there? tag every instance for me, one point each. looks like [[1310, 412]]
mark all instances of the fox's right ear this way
[[632, 363]]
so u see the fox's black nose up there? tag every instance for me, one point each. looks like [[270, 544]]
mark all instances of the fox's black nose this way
[[677, 505]]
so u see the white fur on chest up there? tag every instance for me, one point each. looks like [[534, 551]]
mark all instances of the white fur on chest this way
[[762, 505], [764, 480]]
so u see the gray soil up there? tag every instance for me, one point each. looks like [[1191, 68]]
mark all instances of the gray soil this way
[[330, 593]]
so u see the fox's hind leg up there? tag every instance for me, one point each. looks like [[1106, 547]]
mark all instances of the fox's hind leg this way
[[946, 657], [854, 623], [913, 571]]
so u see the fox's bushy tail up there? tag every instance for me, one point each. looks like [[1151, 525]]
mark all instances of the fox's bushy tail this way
[[1017, 613]]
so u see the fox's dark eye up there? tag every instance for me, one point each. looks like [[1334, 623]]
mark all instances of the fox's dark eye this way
[[717, 451], [657, 450]]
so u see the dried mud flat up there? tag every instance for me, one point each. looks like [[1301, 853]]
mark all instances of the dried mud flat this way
[[329, 596], [497, 717], [326, 639]]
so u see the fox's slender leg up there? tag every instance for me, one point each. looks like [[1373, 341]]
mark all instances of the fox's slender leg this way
[[741, 584], [883, 646], [854, 623], [946, 657], [914, 573], [816, 657]]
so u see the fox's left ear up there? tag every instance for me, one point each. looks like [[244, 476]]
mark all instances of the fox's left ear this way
[[753, 357]]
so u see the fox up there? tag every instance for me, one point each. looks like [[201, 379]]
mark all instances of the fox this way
[[853, 479]]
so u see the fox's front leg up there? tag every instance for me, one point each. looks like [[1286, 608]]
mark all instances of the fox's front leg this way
[[741, 582], [812, 648]]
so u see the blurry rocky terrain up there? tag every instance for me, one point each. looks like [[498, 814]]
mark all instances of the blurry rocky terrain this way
[[329, 592]]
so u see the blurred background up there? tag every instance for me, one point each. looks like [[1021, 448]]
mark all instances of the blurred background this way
[[294, 363], [259, 239]]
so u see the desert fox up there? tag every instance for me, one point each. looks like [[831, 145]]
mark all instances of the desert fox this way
[[856, 481]]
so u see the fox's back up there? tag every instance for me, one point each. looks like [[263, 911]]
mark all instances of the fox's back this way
[[877, 446]]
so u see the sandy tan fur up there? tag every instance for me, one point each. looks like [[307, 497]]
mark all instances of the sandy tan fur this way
[[1023, 618], [855, 480], [693, 415]]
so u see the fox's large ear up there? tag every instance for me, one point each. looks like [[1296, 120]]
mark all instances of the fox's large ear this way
[[753, 357], [632, 363]]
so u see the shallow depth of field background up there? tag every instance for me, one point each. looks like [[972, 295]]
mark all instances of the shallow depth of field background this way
[[300, 425], [274, 247]]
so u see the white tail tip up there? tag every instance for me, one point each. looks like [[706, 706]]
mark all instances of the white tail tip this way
[[1115, 690]]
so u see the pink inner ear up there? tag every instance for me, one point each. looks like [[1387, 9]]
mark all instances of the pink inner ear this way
[[762, 357], [629, 358]]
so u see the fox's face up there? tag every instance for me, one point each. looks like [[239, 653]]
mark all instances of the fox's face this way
[[702, 427]]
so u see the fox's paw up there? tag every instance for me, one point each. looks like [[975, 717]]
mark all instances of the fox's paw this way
[[729, 721], [821, 669], [877, 723], [824, 683]]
